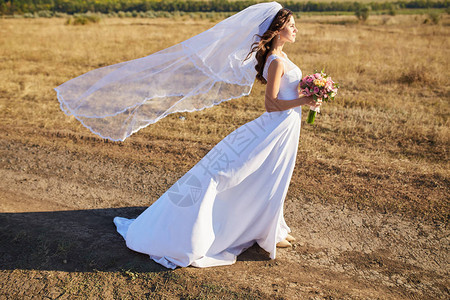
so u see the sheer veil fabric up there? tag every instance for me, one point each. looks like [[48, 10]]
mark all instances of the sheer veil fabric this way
[[117, 100]]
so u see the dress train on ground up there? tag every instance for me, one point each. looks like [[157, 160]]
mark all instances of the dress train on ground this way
[[232, 198]]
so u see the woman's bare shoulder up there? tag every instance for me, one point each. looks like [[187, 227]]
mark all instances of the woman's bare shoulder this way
[[275, 65], [275, 60]]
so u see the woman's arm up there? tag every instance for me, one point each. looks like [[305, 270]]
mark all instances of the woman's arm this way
[[272, 103]]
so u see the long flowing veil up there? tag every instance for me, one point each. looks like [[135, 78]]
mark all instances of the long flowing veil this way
[[205, 70]]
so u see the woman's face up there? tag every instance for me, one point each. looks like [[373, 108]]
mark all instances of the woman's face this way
[[289, 31]]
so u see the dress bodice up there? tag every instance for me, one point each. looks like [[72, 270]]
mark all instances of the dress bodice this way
[[290, 79]]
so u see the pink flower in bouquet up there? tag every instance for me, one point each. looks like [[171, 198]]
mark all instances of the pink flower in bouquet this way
[[321, 87]]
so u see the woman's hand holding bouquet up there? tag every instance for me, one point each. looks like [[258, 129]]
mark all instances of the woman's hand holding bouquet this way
[[321, 87]]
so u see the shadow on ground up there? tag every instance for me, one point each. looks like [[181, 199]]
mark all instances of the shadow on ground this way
[[76, 240]]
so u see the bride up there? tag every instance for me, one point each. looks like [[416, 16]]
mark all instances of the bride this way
[[233, 197]]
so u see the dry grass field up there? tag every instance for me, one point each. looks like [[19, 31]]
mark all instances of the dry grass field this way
[[368, 201]]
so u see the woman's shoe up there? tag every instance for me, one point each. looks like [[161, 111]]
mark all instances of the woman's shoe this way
[[290, 238], [284, 244]]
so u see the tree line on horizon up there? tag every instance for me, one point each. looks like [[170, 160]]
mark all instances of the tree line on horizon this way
[[10, 7]]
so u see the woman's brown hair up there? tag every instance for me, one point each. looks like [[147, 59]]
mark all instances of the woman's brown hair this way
[[263, 46]]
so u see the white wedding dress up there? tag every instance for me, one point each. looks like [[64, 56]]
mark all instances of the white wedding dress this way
[[232, 198]]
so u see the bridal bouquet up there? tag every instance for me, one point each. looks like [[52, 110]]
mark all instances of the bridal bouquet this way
[[321, 87]]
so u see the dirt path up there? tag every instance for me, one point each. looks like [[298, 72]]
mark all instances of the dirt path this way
[[56, 210]]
